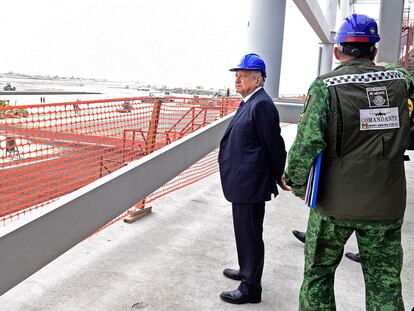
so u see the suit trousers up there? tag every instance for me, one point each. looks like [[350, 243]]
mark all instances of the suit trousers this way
[[248, 230]]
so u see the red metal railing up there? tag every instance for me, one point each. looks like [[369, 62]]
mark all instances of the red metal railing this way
[[406, 39]]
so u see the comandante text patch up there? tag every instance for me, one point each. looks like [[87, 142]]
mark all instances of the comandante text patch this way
[[379, 119]]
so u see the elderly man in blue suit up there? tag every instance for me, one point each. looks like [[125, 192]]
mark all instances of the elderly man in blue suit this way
[[252, 158]]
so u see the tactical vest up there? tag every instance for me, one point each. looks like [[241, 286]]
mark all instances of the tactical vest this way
[[362, 174]]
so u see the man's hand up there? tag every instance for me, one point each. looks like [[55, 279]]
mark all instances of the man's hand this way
[[282, 184]]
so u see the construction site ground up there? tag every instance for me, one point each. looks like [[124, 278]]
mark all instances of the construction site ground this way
[[173, 259]]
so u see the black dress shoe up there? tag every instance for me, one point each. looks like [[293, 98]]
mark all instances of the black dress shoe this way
[[353, 256], [238, 298], [301, 236], [233, 274]]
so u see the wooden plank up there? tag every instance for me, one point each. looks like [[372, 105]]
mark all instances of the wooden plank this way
[[138, 214]]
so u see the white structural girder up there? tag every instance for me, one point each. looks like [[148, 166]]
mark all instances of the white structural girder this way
[[312, 12]]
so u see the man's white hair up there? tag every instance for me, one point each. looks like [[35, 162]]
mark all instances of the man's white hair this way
[[258, 74]]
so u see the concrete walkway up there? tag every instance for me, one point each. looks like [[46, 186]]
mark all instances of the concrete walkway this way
[[173, 260]]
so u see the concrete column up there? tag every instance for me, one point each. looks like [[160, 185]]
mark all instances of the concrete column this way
[[391, 14], [326, 48], [325, 58], [265, 37]]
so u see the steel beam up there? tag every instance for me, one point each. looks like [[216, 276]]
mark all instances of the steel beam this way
[[311, 10]]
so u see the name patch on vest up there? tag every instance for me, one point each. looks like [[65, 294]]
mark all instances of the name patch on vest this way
[[378, 96], [379, 119]]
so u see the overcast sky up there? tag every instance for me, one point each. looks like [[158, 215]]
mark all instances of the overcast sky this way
[[171, 42]]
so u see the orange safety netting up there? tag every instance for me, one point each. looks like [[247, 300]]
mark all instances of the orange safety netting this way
[[49, 150]]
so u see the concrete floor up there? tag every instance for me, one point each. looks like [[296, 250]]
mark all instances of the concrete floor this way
[[173, 260]]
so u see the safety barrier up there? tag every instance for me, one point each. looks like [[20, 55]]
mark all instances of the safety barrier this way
[[49, 150]]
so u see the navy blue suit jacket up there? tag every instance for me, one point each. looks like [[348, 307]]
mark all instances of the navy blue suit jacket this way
[[252, 152]]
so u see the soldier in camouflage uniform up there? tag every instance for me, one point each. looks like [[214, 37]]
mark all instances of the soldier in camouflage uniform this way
[[358, 117]]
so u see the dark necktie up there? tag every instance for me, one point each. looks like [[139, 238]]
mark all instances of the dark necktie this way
[[240, 107], [242, 103]]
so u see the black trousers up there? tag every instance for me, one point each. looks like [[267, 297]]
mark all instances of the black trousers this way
[[248, 230]]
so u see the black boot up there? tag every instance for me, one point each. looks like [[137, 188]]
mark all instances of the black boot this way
[[299, 235], [353, 256]]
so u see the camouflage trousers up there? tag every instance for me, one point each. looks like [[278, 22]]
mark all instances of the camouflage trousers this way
[[381, 253]]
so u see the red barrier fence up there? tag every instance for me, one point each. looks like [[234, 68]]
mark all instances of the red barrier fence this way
[[49, 150]]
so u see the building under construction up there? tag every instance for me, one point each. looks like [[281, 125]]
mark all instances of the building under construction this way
[[75, 177]]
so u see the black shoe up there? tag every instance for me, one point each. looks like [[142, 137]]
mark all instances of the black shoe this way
[[233, 274], [238, 298], [301, 236], [353, 256]]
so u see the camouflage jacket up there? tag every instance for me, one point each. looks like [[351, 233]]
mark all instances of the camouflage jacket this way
[[310, 137]]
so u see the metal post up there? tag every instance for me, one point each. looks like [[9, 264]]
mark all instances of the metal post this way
[[123, 147], [223, 110], [265, 37], [327, 48], [407, 49], [153, 126], [192, 118], [101, 167], [391, 14], [407, 30], [139, 208], [318, 67]]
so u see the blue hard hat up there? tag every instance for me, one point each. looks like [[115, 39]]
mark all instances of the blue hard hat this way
[[251, 61], [358, 28]]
